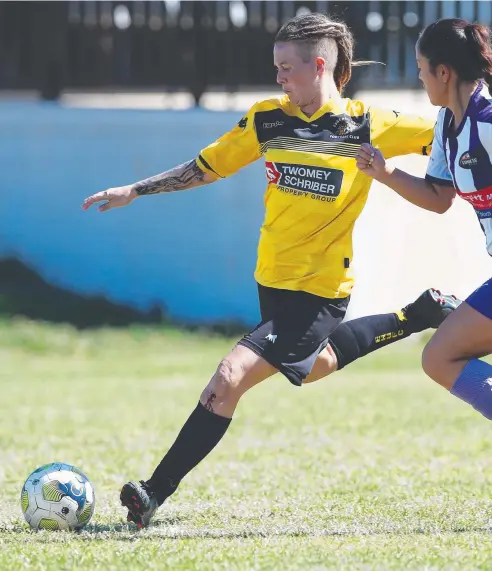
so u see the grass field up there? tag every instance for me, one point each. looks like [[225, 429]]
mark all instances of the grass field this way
[[374, 468]]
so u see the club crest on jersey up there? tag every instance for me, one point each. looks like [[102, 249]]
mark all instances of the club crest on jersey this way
[[467, 160], [344, 126]]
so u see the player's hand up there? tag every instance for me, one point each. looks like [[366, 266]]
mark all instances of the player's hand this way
[[112, 198], [370, 161]]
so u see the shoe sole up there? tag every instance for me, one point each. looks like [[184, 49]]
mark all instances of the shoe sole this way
[[129, 498]]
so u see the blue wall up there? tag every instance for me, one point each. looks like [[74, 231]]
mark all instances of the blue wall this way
[[192, 252]]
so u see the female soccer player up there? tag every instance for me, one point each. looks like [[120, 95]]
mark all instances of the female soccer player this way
[[455, 63], [309, 139]]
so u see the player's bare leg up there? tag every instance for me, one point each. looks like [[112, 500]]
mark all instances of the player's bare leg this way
[[451, 358], [241, 370]]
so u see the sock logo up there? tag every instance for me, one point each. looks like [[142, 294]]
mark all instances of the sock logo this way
[[388, 336], [270, 337]]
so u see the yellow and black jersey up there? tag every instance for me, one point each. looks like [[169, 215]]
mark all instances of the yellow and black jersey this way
[[315, 192]]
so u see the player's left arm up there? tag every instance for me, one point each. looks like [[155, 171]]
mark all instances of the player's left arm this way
[[395, 133]]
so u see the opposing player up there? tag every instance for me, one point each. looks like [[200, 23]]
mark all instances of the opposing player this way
[[455, 63], [309, 139]]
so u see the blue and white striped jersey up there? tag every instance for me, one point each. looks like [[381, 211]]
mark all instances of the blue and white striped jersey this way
[[462, 156]]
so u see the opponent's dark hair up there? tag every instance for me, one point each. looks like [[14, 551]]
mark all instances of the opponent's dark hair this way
[[463, 46], [311, 30]]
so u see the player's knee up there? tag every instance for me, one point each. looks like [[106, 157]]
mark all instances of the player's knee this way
[[226, 383], [432, 361]]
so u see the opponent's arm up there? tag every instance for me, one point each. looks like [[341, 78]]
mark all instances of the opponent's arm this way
[[183, 177], [419, 191]]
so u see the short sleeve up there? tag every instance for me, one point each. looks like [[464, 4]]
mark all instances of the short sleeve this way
[[395, 133], [233, 151], [437, 169]]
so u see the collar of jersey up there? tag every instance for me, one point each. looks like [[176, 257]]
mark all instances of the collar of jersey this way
[[469, 107], [331, 106]]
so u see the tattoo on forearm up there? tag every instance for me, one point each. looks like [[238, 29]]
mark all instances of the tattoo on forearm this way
[[209, 403], [181, 177]]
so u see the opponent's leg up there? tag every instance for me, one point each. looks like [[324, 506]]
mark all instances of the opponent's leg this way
[[451, 356]]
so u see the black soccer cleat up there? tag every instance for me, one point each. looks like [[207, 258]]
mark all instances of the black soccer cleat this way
[[430, 309], [140, 501]]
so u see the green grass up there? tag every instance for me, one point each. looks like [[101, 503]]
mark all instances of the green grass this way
[[373, 468]]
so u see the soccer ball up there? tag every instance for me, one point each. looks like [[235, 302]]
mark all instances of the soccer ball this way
[[57, 496]]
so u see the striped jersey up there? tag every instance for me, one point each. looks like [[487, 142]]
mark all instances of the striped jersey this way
[[461, 157], [314, 191]]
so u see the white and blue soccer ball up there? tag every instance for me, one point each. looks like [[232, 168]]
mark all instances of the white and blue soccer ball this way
[[58, 496]]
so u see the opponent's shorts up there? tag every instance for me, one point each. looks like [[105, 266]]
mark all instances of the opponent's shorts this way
[[481, 299], [294, 329]]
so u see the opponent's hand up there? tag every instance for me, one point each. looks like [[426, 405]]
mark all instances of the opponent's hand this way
[[370, 161], [114, 197]]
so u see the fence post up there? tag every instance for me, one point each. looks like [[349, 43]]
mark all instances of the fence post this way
[[50, 28]]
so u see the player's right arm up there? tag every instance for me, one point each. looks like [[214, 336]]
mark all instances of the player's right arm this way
[[183, 177], [435, 192], [234, 150]]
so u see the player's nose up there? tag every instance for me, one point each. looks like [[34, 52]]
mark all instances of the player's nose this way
[[280, 78]]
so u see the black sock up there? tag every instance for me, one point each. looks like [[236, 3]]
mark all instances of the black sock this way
[[200, 434], [354, 339]]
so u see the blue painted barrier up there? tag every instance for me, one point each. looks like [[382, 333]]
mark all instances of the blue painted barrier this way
[[191, 252]]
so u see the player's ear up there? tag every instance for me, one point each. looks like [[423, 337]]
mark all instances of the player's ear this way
[[443, 72], [320, 65]]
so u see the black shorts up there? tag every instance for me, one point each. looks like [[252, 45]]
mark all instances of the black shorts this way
[[294, 329]]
